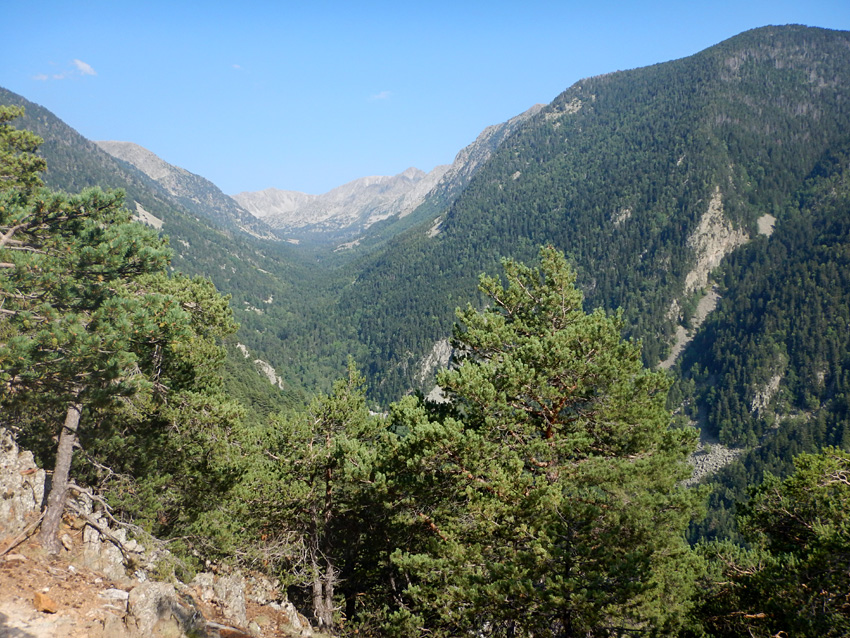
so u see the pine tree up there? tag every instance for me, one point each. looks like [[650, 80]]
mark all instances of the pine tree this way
[[317, 464], [547, 496], [20, 165], [793, 578], [88, 318]]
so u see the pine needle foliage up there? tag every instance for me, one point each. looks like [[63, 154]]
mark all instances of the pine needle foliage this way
[[547, 495]]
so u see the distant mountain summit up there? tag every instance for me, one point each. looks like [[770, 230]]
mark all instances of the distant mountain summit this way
[[193, 191], [355, 205], [352, 208]]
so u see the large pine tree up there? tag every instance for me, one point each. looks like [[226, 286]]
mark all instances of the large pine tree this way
[[89, 319], [547, 496]]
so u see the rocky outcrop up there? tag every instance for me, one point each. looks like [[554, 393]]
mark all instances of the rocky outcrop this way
[[21, 487], [109, 574], [438, 358], [232, 593], [709, 458], [263, 367], [156, 609], [765, 394], [713, 239], [227, 591]]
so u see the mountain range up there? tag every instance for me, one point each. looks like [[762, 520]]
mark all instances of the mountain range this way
[[706, 198], [350, 209]]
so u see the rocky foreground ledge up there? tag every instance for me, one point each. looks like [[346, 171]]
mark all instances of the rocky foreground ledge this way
[[101, 585]]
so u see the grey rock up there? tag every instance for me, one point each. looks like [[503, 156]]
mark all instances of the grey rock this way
[[204, 583], [21, 486], [261, 590], [67, 541], [226, 591], [115, 599], [99, 554], [230, 591], [155, 610]]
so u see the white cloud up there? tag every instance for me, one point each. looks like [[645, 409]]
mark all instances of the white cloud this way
[[383, 95], [84, 68], [238, 67], [78, 68]]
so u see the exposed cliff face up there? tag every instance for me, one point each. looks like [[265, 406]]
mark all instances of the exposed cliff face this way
[[713, 239], [437, 359], [264, 367], [21, 487], [195, 192]]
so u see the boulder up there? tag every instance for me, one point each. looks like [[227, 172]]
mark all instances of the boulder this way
[[226, 591], [155, 610]]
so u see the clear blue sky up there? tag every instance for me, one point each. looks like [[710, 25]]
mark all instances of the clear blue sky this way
[[309, 95]]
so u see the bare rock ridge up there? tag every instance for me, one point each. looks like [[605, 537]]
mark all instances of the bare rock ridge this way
[[195, 192], [361, 202], [365, 201]]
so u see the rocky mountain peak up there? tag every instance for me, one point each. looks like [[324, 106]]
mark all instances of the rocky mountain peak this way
[[197, 193], [143, 159]]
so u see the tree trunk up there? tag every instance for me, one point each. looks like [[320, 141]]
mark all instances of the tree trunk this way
[[328, 603], [323, 592], [59, 487]]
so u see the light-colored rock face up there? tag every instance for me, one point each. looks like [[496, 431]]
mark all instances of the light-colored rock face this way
[[143, 159], [361, 202], [764, 395], [705, 306], [713, 239], [21, 486], [197, 193], [438, 358], [264, 367], [273, 202], [765, 224], [146, 218]]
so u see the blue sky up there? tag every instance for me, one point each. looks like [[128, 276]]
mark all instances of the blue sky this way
[[309, 95]]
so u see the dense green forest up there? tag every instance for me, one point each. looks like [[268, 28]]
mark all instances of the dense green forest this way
[[769, 371], [617, 172], [546, 497]]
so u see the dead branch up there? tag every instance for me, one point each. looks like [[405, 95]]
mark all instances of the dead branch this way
[[20, 538]]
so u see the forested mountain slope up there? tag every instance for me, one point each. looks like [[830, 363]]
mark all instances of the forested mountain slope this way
[[771, 368], [285, 297], [644, 178], [251, 271]]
